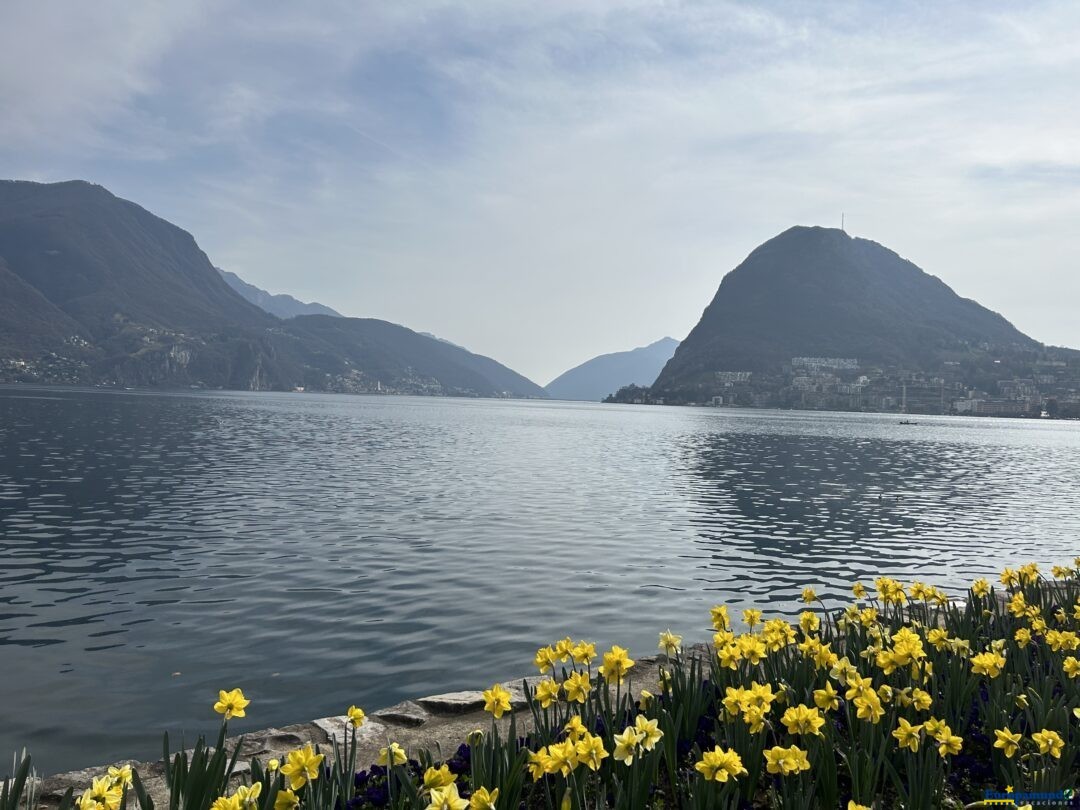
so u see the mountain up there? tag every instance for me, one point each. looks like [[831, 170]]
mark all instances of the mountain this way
[[283, 306], [814, 311], [104, 261], [96, 290], [595, 379], [361, 349]]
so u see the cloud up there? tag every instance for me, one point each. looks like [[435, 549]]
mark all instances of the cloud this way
[[546, 182]]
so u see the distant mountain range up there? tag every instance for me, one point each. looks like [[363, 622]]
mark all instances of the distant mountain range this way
[[597, 378], [283, 306], [96, 290], [816, 318]]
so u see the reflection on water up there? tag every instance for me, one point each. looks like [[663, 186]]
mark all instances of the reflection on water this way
[[323, 550]]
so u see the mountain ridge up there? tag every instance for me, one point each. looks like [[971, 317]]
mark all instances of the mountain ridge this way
[[280, 305], [95, 289], [604, 374]]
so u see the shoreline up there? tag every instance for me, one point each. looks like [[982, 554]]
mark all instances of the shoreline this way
[[435, 723]]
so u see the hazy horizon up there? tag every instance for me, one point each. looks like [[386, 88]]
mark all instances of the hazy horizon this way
[[544, 184]]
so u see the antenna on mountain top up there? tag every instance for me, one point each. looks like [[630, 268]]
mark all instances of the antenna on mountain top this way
[[842, 222]]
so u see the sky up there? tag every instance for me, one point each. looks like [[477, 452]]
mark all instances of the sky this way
[[545, 182]]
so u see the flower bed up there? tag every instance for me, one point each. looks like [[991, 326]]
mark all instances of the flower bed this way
[[901, 699]]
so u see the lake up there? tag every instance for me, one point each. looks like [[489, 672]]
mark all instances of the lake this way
[[322, 550]]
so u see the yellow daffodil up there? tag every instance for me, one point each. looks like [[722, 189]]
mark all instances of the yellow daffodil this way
[[1017, 604], [575, 729], [302, 766], [809, 622], [868, 707], [859, 590], [102, 794], [907, 735], [626, 745], [583, 653], [751, 648], [645, 698], [1059, 640], [786, 761], [921, 700], [483, 799], [809, 595], [670, 643], [735, 699], [729, 656], [987, 663], [538, 763], [949, 744], [853, 805], [231, 703], [980, 587], [120, 776], [648, 731], [827, 698], [356, 716], [777, 634], [273, 765], [447, 799], [803, 720], [546, 659], [616, 664], [590, 751], [564, 649], [750, 617], [1029, 573], [577, 687], [496, 701], [1071, 666], [226, 803], [248, 795], [754, 717], [719, 615], [720, 765], [436, 778], [562, 757], [842, 671], [547, 692], [390, 756], [1007, 741], [1049, 742], [938, 638], [933, 727], [286, 800]]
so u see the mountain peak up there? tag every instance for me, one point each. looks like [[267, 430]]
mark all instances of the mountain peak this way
[[819, 292], [596, 378]]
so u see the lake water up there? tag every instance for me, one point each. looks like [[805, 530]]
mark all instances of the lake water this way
[[323, 550]]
